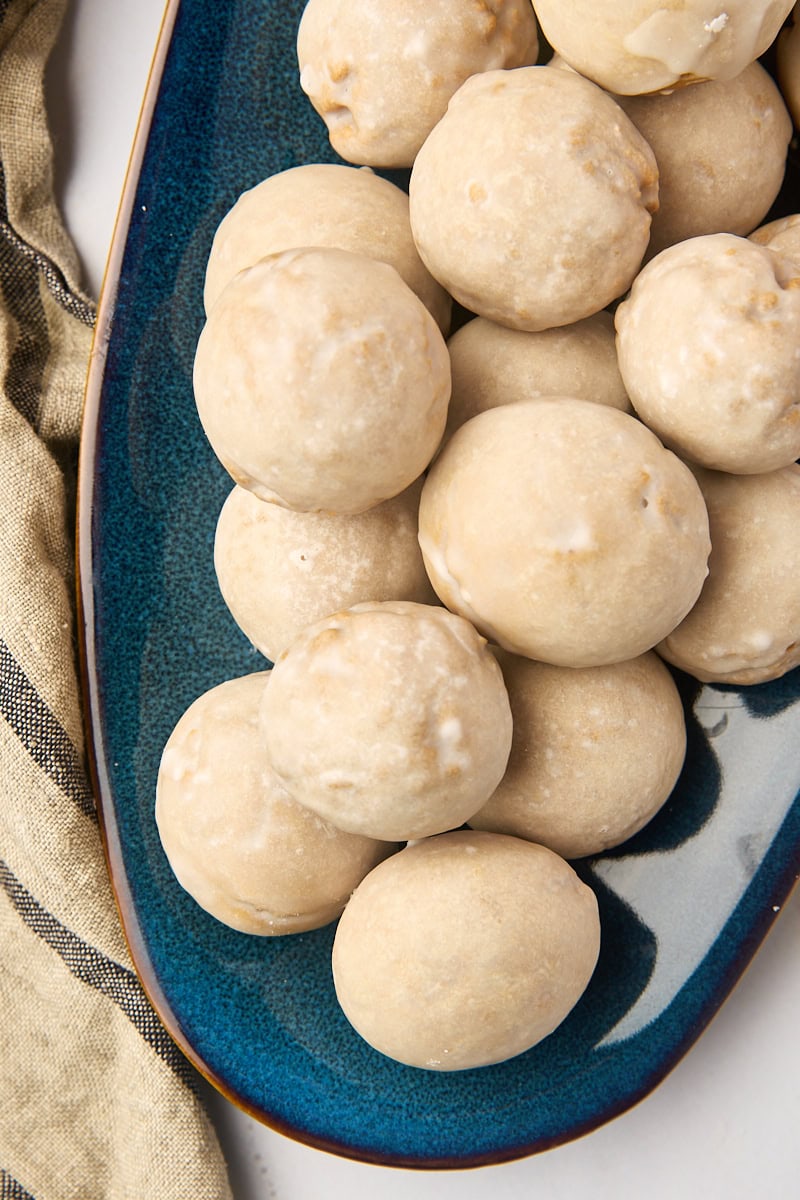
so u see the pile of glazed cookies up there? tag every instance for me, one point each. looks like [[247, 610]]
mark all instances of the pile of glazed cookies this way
[[470, 560]]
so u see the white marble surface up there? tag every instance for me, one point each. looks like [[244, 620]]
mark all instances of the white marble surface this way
[[724, 1125]]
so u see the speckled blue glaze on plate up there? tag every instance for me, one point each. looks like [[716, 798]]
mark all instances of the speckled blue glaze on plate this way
[[684, 905]]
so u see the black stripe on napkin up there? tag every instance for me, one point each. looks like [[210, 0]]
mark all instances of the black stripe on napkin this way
[[91, 966], [30, 347], [11, 1190], [20, 267], [40, 733], [53, 275]]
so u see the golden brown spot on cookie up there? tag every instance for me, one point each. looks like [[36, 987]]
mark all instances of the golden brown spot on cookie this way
[[490, 17], [477, 193], [765, 301], [649, 179], [689, 78], [665, 507], [326, 636]]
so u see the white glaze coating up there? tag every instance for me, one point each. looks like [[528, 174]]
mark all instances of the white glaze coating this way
[[493, 365], [531, 199], [745, 628], [721, 153], [389, 719], [709, 348], [465, 950], [381, 74], [564, 530], [236, 840], [788, 65], [280, 570], [781, 235], [322, 381], [595, 754], [322, 204], [637, 46]]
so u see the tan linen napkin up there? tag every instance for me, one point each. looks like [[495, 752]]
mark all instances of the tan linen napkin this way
[[97, 1102]]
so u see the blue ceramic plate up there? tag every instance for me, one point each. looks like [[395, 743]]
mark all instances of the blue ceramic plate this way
[[684, 905]]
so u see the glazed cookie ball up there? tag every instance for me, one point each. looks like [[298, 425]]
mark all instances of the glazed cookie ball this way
[[465, 950], [493, 365], [595, 754], [531, 199], [788, 65], [322, 381], [745, 628], [280, 570], [322, 204], [380, 77], [564, 531], [721, 153], [707, 349], [236, 840], [635, 46], [781, 235], [389, 719]]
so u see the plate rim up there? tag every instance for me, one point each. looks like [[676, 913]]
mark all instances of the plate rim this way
[[96, 756], [88, 676]]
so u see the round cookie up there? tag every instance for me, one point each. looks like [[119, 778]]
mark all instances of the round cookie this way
[[464, 950], [279, 570], [389, 719], [322, 381], [745, 628], [548, 184], [564, 531], [721, 153], [636, 46], [322, 204], [491, 365], [781, 235], [381, 79], [706, 344], [595, 754], [788, 65], [235, 839]]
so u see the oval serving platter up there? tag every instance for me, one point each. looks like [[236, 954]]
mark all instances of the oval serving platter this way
[[684, 905]]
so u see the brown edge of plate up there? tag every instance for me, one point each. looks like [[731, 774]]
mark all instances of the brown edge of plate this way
[[83, 555], [91, 717], [93, 726]]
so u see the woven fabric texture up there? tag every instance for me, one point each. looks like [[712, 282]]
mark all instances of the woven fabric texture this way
[[98, 1103]]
